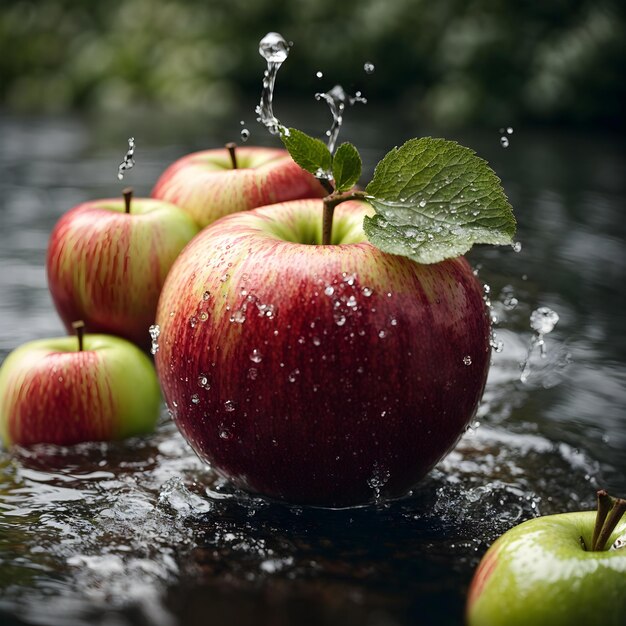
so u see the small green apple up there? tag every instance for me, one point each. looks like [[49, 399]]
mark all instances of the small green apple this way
[[52, 392], [555, 571]]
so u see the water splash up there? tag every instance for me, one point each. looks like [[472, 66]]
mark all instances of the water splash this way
[[542, 321], [379, 478], [337, 99], [155, 331], [274, 49], [129, 159]]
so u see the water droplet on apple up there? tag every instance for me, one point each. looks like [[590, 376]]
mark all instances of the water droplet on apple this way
[[239, 316], [206, 295], [224, 277], [225, 434], [204, 316], [367, 292], [253, 373], [229, 406], [467, 360], [316, 341], [330, 290], [382, 334], [203, 381], [195, 398], [256, 356], [293, 375], [340, 320]]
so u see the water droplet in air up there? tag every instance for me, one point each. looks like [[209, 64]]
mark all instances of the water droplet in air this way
[[319, 74], [369, 68], [509, 130], [256, 356], [467, 360], [504, 141], [517, 246], [543, 319], [245, 134], [129, 159], [274, 48], [155, 331]]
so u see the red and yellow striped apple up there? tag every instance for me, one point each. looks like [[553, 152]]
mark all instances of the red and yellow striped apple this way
[[55, 391], [320, 374], [107, 261], [214, 183]]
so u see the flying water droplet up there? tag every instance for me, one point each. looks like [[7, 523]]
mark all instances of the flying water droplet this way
[[542, 321], [274, 49], [337, 99], [504, 141], [245, 134], [155, 331], [129, 159], [517, 246], [369, 68], [319, 74]]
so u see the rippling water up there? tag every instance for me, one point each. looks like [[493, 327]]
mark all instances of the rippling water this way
[[140, 532]]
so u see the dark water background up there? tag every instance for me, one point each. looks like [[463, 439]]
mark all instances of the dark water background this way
[[141, 532]]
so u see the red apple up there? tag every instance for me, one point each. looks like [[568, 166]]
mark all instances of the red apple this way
[[207, 186], [106, 266], [53, 392], [316, 374]]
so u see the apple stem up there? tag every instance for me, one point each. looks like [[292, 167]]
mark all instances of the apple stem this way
[[79, 327], [231, 146], [330, 202], [128, 196], [610, 512]]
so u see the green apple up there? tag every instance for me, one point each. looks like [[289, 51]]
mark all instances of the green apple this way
[[554, 571], [63, 392]]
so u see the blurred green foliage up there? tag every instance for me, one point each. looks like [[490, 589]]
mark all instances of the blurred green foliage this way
[[450, 62]]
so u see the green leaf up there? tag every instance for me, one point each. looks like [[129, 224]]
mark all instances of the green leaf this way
[[346, 167], [434, 200], [309, 153]]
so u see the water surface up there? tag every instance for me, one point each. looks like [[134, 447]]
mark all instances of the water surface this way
[[140, 532]]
